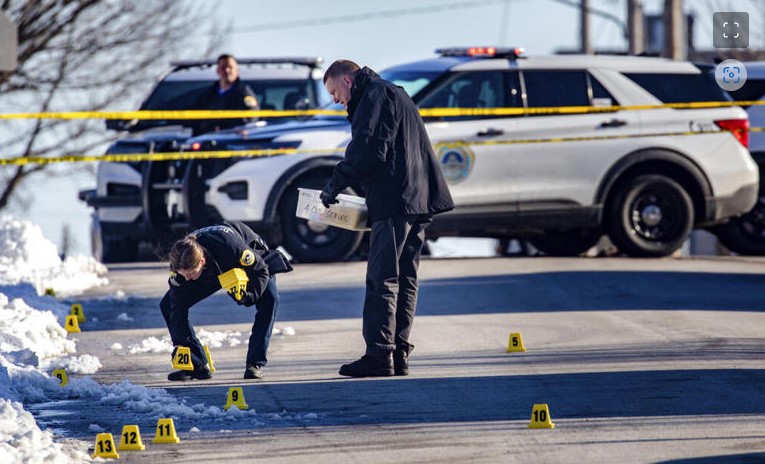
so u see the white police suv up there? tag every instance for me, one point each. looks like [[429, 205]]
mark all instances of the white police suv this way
[[119, 221], [517, 165]]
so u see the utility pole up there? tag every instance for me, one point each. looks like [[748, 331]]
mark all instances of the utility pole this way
[[584, 27], [673, 29], [8, 43], [635, 27]]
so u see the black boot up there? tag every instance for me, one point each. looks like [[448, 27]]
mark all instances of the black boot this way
[[369, 366], [401, 362], [184, 376]]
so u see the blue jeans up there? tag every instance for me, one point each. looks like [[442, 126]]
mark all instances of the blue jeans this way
[[175, 307]]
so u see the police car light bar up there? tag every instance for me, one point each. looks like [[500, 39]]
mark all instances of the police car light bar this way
[[486, 52]]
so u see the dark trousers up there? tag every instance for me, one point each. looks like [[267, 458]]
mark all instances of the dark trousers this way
[[175, 309], [391, 296]]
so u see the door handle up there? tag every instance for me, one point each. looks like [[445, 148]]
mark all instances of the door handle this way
[[613, 123], [490, 132]]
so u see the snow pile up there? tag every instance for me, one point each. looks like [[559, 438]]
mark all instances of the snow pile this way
[[32, 338], [27, 257]]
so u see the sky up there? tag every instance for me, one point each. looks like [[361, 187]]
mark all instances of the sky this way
[[379, 35]]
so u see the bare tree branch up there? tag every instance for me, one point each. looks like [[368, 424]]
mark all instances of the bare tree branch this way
[[88, 55]]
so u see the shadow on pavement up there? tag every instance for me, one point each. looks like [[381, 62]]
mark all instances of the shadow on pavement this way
[[539, 292], [749, 458]]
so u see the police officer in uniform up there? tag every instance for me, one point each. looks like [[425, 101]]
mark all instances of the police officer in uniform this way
[[196, 262], [229, 93]]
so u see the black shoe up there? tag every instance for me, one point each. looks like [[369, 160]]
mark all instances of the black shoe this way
[[253, 372], [401, 362], [369, 366], [184, 376]]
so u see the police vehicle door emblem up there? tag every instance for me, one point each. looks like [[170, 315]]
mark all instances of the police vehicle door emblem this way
[[456, 162]]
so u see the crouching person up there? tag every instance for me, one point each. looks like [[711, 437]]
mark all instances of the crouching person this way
[[197, 263]]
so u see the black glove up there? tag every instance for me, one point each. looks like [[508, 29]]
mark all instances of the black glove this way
[[248, 299], [328, 196]]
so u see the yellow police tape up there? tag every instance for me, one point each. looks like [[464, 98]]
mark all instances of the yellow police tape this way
[[172, 156], [425, 112]]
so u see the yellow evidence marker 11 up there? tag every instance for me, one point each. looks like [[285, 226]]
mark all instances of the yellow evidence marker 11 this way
[[235, 398], [61, 375], [166, 431], [105, 447], [182, 359], [540, 417], [131, 439]]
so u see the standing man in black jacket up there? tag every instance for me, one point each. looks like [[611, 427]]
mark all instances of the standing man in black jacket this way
[[229, 93], [391, 157]]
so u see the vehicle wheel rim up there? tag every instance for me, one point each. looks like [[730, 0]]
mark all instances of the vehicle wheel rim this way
[[654, 217], [313, 233]]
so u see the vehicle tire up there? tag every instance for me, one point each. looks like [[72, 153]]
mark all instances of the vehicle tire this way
[[111, 249], [309, 241], [650, 216], [570, 243], [745, 234]]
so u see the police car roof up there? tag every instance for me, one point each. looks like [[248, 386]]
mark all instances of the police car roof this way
[[259, 71], [618, 63]]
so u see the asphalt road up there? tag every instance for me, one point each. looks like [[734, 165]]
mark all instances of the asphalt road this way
[[639, 361]]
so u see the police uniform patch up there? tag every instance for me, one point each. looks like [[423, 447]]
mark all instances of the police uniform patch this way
[[173, 280], [248, 258], [250, 101]]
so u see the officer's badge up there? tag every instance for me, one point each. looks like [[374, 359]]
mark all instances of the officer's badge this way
[[248, 258], [250, 101]]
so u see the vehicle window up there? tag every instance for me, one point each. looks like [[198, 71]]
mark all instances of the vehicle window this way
[[556, 88], [174, 95], [281, 95], [680, 88], [601, 96], [411, 81], [482, 89]]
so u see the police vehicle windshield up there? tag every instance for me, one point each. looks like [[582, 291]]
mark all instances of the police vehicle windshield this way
[[412, 81]]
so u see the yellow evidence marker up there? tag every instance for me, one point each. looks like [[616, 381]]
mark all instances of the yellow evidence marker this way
[[182, 359], [515, 344], [105, 446], [166, 431], [209, 359], [131, 439], [50, 292], [71, 324], [235, 398], [61, 375], [77, 311], [235, 282], [540, 417]]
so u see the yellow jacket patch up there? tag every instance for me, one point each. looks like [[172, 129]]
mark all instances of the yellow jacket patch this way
[[248, 258], [250, 101]]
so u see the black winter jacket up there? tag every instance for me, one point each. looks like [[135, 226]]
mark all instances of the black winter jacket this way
[[238, 97], [390, 154], [231, 245]]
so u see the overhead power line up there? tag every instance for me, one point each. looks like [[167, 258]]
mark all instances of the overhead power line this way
[[369, 16]]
